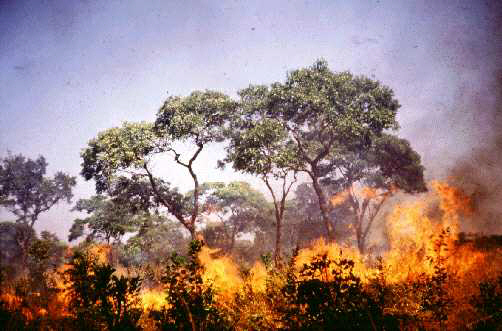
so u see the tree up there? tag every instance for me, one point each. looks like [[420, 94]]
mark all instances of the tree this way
[[198, 119], [157, 238], [326, 115], [309, 222], [259, 145], [107, 219], [239, 209], [368, 178], [46, 254], [25, 190], [15, 240]]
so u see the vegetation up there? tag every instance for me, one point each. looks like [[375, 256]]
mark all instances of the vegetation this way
[[191, 302], [224, 256], [25, 190], [98, 299]]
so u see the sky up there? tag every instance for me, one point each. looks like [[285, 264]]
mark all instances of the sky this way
[[70, 69]]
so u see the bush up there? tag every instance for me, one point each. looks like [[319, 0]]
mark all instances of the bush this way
[[190, 302], [326, 295], [99, 300], [488, 304]]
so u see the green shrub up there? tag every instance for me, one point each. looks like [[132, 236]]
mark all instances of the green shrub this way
[[190, 303], [99, 299]]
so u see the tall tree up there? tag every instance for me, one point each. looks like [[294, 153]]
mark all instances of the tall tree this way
[[259, 145], [308, 218], [25, 190], [198, 119], [106, 220], [327, 114], [239, 209], [367, 179]]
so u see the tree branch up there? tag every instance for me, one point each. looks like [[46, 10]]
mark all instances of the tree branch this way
[[169, 206], [195, 211]]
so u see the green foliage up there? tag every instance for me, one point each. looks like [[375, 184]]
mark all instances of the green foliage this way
[[107, 219], [200, 117], [260, 147], [27, 192], [333, 106], [326, 296], [191, 303], [45, 255], [388, 163], [99, 299], [117, 149], [328, 125], [395, 164], [329, 113], [238, 208], [124, 152], [155, 241]]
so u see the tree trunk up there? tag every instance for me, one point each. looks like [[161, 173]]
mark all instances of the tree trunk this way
[[279, 211], [361, 244], [323, 206], [192, 232], [278, 226], [232, 240]]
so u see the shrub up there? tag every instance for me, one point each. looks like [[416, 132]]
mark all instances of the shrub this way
[[190, 303], [99, 300], [326, 295]]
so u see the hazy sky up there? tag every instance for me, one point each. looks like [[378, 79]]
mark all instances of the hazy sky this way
[[69, 69]]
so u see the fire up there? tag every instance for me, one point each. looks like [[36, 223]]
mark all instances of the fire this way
[[258, 277], [333, 252], [220, 271], [339, 198], [101, 252], [369, 192], [153, 298], [421, 233], [413, 234]]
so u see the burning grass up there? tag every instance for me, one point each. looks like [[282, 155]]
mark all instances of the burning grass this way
[[428, 279]]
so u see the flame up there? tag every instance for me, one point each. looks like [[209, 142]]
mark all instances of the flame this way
[[334, 252], [413, 234], [413, 228], [101, 252], [258, 277], [339, 198], [153, 298], [369, 192], [221, 271]]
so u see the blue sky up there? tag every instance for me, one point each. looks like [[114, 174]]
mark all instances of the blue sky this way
[[69, 69]]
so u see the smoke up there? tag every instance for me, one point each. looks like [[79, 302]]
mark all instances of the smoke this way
[[479, 172]]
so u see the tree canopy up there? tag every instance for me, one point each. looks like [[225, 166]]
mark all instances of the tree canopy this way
[[106, 220], [127, 151], [238, 209], [333, 126], [322, 117], [367, 178], [25, 190]]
